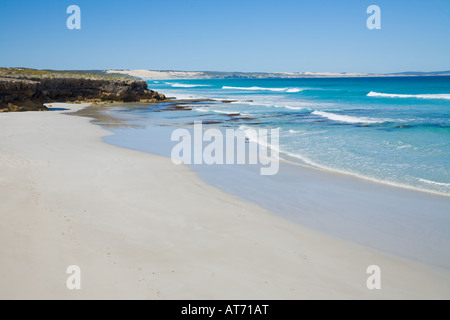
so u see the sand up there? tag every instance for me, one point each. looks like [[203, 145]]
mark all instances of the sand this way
[[140, 227], [160, 75]]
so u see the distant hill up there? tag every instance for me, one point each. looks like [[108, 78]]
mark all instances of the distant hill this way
[[173, 74], [419, 73]]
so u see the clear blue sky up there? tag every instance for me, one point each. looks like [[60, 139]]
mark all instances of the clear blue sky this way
[[227, 35]]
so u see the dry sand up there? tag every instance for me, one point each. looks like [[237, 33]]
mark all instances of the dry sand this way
[[160, 75], [140, 227]]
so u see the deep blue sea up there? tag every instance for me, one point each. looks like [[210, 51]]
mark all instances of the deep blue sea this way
[[394, 130]]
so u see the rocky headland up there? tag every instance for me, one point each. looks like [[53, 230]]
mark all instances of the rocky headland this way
[[29, 90]]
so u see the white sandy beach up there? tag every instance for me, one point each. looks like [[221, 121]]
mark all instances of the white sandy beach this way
[[140, 227]]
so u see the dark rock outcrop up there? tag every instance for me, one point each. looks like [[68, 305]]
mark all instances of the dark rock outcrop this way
[[30, 94]]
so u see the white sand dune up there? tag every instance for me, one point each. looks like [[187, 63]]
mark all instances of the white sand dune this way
[[140, 227], [167, 75], [158, 75]]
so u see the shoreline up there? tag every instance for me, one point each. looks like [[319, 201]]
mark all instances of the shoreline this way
[[74, 199], [302, 163], [344, 206], [369, 179]]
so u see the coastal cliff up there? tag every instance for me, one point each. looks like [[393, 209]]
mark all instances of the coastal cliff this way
[[20, 91]]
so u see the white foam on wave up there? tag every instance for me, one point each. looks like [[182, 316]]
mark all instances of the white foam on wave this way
[[224, 112], [294, 90], [203, 109], [269, 105], [345, 118], [182, 85], [289, 90], [418, 96], [181, 95], [305, 160], [306, 133], [434, 182], [254, 88], [292, 108], [252, 136], [406, 146], [228, 112]]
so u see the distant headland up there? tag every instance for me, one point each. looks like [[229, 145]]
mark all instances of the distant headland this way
[[172, 74]]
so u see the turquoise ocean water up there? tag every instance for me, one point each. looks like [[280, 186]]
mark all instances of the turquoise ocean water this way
[[392, 130]]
